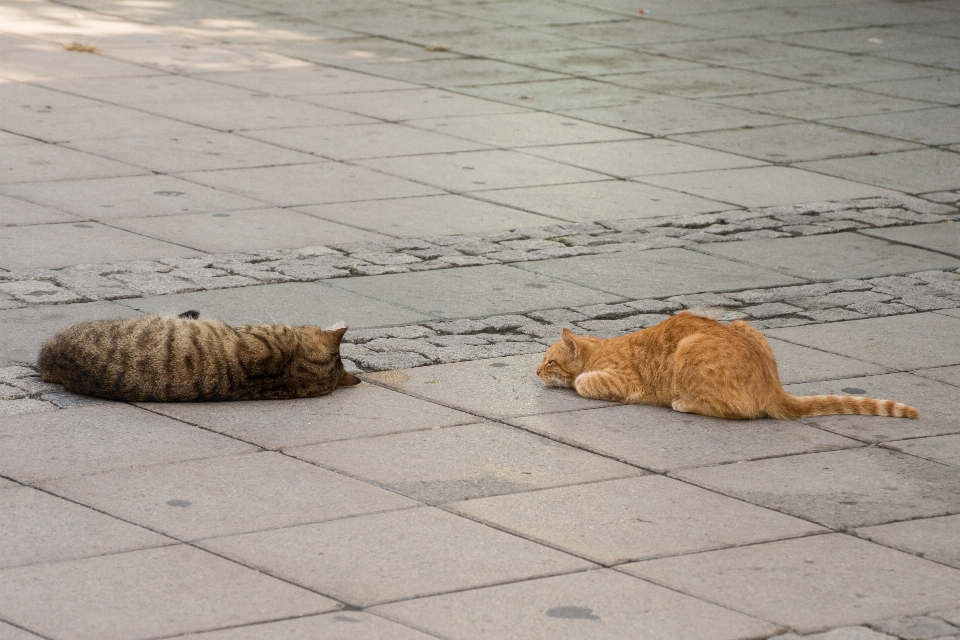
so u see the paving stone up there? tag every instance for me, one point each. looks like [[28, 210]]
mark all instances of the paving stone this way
[[345, 625], [950, 375], [810, 583], [477, 460], [598, 603], [910, 171], [660, 439], [844, 633], [18, 406], [101, 438], [803, 364], [943, 449], [44, 162], [41, 528], [840, 489], [916, 628], [143, 594], [16, 633], [944, 237], [379, 558]]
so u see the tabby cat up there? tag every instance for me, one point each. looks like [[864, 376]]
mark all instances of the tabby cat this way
[[184, 358], [694, 365]]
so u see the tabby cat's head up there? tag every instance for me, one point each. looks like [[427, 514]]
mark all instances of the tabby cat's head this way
[[562, 362], [328, 340]]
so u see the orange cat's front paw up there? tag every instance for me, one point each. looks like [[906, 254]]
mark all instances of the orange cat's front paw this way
[[599, 385]]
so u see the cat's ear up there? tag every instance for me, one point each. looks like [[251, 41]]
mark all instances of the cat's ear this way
[[570, 342], [338, 333]]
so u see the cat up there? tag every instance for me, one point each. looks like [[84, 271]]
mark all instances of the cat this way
[[162, 358], [693, 365]]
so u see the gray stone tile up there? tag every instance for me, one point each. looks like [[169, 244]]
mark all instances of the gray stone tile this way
[[832, 256], [357, 52], [522, 13], [305, 184], [812, 583], [866, 39], [307, 81], [843, 69], [803, 364], [943, 449], [348, 625], [917, 627], [706, 82], [738, 50], [632, 519], [945, 57], [106, 198], [761, 20], [932, 538], [563, 94], [45, 162], [392, 556], [950, 375], [480, 170], [38, 527], [412, 103], [600, 604], [136, 91], [290, 303], [98, 438], [929, 126], [660, 439], [840, 489], [510, 387], [913, 341], [597, 61], [25, 330], [473, 291], [254, 113], [359, 412], [672, 115], [440, 215], [823, 102], [511, 130], [602, 200], [145, 594], [936, 402], [462, 463], [497, 41], [658, 273], [944, 88], [245, 231], [79, 243], [48, 61], [11, 632], [14, 211], [631, 33], [227, 495], [768, 186], [463, 72], [631, 158], [795, 142], [944, 238]]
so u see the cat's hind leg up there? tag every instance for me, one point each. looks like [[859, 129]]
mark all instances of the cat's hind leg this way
[[602, 385]]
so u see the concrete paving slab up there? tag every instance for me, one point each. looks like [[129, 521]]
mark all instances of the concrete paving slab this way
[[660, 439], [510, 387], [558, 95], [626, 159], [943, 449], [631, 33], [939, 56], [943, 88], [297, 303], [950, 375], [597, 61], [481, 170], [658, 273], [935, 401], [357, 51], [521, 13], [459, 72], [441, 215], [600, 604], [936, 539], [45, 162], [347, 625], [203, 152], [631, 519], [106, 198], [840, 69], [353, 142], [40, 528], [79, 243], [52, 62], [672, 115], [14, 212], [823, 102], [865, 39], [305, 184], [308, 81], [944, 238], [912, 341], [359, 412], [412, 103], [136, 91], [736, 50], [378, 558], [227, 495], [832, 256], [795, 142], [462, 463], [99, 438], [145, 594], [245, 231], [25, 330], [911, 171], [762, 20], [473, 291], [840, 489], [810, 584], [802, 364], [929, 126], [16, 633], [511, 130], [767, 186], [603, 200], [707, 82]]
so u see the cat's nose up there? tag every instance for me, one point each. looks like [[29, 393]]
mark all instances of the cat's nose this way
[[348, 380]]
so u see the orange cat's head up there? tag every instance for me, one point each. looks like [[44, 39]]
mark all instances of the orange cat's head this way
[[562, 362]]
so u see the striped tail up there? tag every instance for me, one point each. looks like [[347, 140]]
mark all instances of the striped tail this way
[[788, 406]]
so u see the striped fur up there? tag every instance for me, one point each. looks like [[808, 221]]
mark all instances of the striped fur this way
[[178, 359], [694, 365]]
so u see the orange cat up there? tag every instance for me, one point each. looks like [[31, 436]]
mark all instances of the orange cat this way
[[694, 365]]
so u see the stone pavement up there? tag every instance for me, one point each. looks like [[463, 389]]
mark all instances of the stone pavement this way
[[458, 180]]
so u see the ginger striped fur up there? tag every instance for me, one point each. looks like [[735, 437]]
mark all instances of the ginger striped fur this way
[[184, 358], [693, 365]]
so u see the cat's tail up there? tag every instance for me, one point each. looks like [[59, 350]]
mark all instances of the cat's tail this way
[[788, 406]]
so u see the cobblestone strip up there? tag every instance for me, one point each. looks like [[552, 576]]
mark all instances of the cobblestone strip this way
[[84, 283]]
